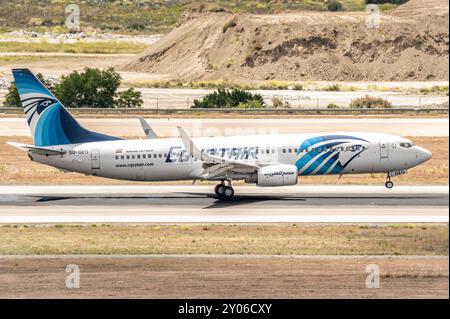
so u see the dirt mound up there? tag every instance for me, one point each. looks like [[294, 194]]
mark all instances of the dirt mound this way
[[422, 8], [307, 46]]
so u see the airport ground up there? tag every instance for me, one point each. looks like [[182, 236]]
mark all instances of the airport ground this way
[[224, 277], [179, 242], [133, 240]]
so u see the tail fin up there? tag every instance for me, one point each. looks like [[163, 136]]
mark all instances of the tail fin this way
[[50, 123]]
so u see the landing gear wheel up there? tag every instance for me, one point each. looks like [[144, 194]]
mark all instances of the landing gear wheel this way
[[228, 193], [220, 190], [389, 184]]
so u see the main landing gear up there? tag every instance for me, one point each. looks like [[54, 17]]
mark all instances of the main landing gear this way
[[388, 183], [224, 191]]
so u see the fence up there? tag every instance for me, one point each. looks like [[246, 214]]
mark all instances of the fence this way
[[266, 111]]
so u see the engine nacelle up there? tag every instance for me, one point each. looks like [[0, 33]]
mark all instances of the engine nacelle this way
[[277, 175]]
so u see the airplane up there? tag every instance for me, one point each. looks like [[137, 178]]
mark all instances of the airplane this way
[[265, 160]]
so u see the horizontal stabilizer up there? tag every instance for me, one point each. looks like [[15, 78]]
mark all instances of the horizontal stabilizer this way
[[37, 149]]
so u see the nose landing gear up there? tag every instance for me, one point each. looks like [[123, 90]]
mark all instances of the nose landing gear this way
[[224, 191]]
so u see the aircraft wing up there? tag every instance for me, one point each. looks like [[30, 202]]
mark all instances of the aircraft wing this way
[[37, 149], [149, 132], [214, 166]]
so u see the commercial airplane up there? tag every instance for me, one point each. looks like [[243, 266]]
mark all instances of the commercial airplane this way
[[265, 160]]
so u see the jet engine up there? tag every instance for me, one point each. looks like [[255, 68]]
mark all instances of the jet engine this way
[[277, 175]]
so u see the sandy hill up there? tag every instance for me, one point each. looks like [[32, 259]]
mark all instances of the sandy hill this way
[[411, 43]]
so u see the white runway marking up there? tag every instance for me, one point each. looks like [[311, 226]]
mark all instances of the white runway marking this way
[[176, 204]]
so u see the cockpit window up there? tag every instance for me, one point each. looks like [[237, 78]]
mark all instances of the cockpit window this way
[[406, 145]]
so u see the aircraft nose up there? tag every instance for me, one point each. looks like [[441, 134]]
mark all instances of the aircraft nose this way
[[423, 154]]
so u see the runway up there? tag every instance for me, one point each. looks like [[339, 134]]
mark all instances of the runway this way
[[217, 127], [197, 204]]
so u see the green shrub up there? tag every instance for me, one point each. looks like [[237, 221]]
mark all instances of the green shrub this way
[[334, 6], [252, 104], [370, 102], [129, 99], [280, 103], [224, 98], [332, 106], [135, 26]]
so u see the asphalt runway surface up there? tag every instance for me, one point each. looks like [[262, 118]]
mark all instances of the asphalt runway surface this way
[[196, 204], [228, 127]]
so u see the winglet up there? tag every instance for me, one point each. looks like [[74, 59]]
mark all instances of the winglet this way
[[189, 145], [149, 132]]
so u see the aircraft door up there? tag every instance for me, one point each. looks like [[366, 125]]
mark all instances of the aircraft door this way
[[384, 150], [95, 159]]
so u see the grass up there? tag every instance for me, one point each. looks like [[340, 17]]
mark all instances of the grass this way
[[144, 16], [214, 84], [436, 89], [370, 102], [16, 168], [282, 239], [79, 47]]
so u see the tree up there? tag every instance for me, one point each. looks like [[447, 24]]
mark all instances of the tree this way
[[91, 88], [129, 99], [12, 98]]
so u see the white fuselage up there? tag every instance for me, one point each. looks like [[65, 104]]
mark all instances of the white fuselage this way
[[164, 159]]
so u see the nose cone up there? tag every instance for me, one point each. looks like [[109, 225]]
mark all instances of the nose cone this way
[[423, 154]]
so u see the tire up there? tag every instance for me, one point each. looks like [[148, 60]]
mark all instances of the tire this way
[[389, 184], [228, 192], [219, 189]]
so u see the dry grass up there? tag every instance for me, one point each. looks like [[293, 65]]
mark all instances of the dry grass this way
[[279, 239], [223, 277], [16, 168], [79, 47]]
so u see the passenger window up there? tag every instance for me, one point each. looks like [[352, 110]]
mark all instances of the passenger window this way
[[154, 155], [122, 157], [139, 157], [128, 156], [117, 157], [160, 155], [165, 154], [284, 150], [143, 156], [267, 151], [132, 156]]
